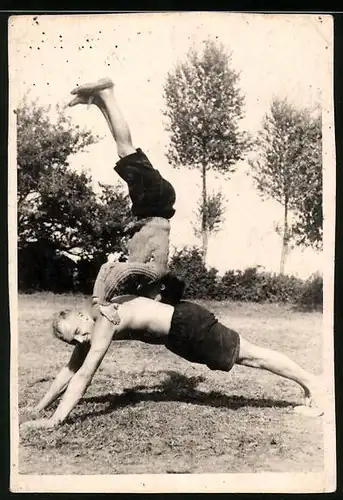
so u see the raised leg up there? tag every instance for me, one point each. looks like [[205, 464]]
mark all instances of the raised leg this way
[[102, 95]]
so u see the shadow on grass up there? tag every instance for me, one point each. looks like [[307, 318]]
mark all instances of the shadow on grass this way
[[176, 387]]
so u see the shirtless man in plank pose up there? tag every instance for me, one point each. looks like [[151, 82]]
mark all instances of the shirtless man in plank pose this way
[[159, 316]]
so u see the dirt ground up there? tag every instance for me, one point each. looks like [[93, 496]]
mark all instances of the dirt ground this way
[[148, 411]]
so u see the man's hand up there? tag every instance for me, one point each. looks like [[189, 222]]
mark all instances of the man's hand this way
[[101, 340], [31, 412], [134, 226], [41, 423]]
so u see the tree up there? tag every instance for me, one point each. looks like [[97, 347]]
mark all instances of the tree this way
[[214, 216], [49, 195], [287, 168], [58, 210], [203, 107], [308, 206]]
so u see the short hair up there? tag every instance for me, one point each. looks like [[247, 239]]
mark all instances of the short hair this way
[[172, 288], [169, 286], [63, 332]]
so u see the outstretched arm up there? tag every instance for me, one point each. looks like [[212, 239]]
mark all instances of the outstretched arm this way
[[101, 340], [62, 379]]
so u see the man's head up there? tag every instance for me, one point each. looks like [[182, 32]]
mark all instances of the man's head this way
[[73, 327], [168, 289]]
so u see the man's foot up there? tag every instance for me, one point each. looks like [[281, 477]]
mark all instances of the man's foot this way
[[90, 89], [80, 99], [309, 409], [314, 401], [90, 93]]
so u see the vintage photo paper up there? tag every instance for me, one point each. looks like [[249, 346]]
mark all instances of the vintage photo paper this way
[[235, 111]]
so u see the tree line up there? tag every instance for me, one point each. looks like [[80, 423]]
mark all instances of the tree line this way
[[61, 214]]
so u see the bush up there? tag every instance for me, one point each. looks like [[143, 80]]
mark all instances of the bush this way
[[249, 285], [253, 286], [281, 288], [40, 267], [201, 283], [87, 271], [311, 297]]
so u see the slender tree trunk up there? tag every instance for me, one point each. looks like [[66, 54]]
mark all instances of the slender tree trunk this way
[[284, 249], [204, 224]]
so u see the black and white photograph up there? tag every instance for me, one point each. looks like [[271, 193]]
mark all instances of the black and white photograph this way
[[171, 252]]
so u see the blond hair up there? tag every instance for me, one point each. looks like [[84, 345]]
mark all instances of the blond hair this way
[[60, 326]]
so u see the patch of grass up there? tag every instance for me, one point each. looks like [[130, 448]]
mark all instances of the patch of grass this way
[[149, 411]]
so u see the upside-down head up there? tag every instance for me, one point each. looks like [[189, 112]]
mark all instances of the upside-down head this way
[[168, 289]]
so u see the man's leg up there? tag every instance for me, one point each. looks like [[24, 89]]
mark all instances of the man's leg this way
[[280, 364], [102, 95], [152, 196]]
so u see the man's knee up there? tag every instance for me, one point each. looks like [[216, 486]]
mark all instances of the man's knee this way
[[125, 148], [249, 354]]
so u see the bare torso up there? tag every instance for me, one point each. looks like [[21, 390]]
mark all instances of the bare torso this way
[[143, 319]]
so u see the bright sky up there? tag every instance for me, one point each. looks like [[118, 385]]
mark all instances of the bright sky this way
[[276, 55]]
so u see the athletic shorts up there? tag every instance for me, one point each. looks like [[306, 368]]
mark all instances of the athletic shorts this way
[[151, 195], [196, 335], [121, 278]]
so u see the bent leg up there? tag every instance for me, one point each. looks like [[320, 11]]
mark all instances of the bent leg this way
[[273, 361]]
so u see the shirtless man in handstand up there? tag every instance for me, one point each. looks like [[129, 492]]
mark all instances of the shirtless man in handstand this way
[[159, 316]]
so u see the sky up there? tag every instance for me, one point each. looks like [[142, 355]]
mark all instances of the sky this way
[[276, 56]]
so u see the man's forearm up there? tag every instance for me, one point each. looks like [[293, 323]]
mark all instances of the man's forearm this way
[[76, 389], [101, 340], [56, 389]]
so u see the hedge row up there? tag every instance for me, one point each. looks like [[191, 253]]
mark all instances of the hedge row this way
[[250, 285], [59, 274]]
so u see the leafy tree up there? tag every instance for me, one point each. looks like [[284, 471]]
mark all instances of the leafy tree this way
[[287, 168], [57, 207], [204, 106], [112, 215], [50, 196], [43, 146], [308, 206]]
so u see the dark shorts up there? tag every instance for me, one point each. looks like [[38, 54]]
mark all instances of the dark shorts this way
[[151, 195], [197, 336]]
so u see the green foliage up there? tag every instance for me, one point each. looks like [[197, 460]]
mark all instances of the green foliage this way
[[288, 168], [213, 210], [41, 268], [249, 285], [203, 107], [252, 285], [311, 296], [58, 209], [44, 146], [308, 206], [188, 263]]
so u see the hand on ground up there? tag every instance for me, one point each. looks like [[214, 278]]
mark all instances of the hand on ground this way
[[31, 412], [41, 423]]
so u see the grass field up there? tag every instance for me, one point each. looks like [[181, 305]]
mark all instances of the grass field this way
[[148, 411]]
